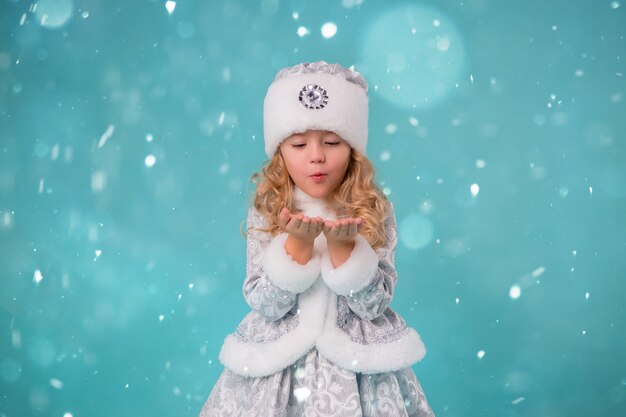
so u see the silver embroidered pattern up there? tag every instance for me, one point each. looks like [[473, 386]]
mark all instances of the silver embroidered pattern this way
[[323, 67], [385, 328], [255, 328], [312, 96], [332, 391]]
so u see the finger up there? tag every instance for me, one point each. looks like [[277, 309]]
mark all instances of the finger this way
[[345, 226], [352, 229], [306, 224], [283, 217], [336, 230], [295, 222]]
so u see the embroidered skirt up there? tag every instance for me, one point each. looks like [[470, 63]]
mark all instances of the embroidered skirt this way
[[315, 387]]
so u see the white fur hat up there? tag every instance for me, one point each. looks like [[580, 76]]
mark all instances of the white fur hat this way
[[316, 96]]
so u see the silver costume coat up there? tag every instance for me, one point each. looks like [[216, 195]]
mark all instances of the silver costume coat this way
[[343, 312]]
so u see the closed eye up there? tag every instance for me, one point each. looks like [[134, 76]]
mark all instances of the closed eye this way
[[298, 145], [333, 143]]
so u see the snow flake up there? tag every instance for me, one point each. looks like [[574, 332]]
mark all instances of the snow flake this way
[[515, 292], [150, 161], [56, 383], [300, 373], [539, 271], [391, 128], [106, 135], [329, 30], [348, 4], [170, 6], [37, 277], [301, 393], [98, 181]]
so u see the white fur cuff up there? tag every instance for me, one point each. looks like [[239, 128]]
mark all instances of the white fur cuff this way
[[284, 271], [354, 274]]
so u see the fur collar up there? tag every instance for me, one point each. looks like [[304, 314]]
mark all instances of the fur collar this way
[[312, 206]]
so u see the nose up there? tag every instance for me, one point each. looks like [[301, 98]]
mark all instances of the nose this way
[[316, 153]]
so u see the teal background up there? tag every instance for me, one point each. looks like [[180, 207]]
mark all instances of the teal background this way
[[502, 150]]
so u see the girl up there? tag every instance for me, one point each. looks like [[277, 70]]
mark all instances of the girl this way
[[321, 339]]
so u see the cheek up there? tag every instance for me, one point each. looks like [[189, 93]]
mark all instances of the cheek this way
[[346, 161], [291, 166]]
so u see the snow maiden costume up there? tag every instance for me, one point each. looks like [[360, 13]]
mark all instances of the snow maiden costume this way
[[320, 341]]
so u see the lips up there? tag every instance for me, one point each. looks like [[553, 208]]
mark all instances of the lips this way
[[318, 176]]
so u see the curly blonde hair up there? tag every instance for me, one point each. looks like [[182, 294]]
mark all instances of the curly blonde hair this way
[[357, 196]]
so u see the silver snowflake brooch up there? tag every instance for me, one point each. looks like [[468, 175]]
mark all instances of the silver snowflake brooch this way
[[313, 96]]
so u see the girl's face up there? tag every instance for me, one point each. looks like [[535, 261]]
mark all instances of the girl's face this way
[[316, 160]]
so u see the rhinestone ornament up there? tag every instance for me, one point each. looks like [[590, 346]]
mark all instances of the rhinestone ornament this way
[[312, 96]]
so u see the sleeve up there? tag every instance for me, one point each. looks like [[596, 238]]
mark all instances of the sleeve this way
[[368, 277], [273, 279]]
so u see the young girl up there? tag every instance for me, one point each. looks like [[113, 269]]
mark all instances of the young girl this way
[[321, 339]]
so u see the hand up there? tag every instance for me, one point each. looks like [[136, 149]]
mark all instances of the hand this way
[[343, 230], [300, 226]]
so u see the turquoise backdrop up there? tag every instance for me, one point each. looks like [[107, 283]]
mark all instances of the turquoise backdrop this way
[[129, 131]]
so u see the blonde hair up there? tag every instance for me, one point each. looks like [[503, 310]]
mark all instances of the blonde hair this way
[[357, 196]]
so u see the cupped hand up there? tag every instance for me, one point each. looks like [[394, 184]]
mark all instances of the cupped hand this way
[[300, 226], [342, 230]]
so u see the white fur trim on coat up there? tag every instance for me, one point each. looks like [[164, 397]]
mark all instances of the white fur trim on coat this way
[[336, 345], [355, 273], [317, 326], [345, 114], [284, 271], [266, 358]]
